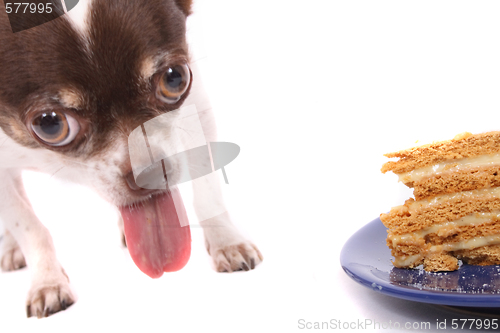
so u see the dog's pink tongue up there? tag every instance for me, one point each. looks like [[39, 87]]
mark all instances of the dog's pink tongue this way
[[156, 238]]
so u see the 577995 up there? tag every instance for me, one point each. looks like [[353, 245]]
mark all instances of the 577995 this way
[[27, 7]]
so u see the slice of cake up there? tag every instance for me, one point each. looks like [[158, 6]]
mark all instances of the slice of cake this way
[[456, 210]]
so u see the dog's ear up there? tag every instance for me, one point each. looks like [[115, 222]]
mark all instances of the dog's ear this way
[[185, 5]]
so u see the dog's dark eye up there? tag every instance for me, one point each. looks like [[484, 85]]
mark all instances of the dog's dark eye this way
[[174, 83], [55, 128]]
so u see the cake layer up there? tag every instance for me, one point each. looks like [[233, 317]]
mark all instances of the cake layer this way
[[440, 262], [457, 181], [466, 238], [416, 215], [462, 146], [447, 167], [464, 234], [486, 255], [465, 246], [450, 231]]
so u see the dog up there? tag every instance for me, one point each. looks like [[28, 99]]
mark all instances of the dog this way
[[71, 92]]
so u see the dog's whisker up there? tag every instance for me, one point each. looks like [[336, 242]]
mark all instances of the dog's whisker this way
[[189, 132], [53, 174], [73, 162], [4, 141]]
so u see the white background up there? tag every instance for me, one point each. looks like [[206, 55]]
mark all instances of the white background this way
[[314, 92]]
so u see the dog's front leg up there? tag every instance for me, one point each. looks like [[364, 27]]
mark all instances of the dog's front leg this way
[[50, 291], [229, 250]]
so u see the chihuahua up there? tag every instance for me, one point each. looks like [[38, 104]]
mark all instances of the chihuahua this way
[[71, 92]]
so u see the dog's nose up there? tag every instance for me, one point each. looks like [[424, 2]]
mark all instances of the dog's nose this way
[[134, 187]]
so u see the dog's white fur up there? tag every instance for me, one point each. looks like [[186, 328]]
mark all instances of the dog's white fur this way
[[26, 240], [78, 15]]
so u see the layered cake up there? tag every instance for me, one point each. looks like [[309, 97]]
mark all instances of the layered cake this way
[[455, 212]]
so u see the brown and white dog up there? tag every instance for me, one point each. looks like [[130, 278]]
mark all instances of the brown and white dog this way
[[71, 92]]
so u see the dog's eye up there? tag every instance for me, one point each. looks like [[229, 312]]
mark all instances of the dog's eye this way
[[173, 83], [55, 128]]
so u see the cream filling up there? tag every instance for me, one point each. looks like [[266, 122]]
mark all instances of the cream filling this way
[[486, 193], [405, 261], [467, 244], [449, 166], [444, 229]]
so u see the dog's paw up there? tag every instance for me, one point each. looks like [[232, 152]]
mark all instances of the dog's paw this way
[[243, 256], [48, 298], [12, 258]]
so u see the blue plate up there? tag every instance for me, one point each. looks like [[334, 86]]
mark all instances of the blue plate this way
[[367, 260]]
